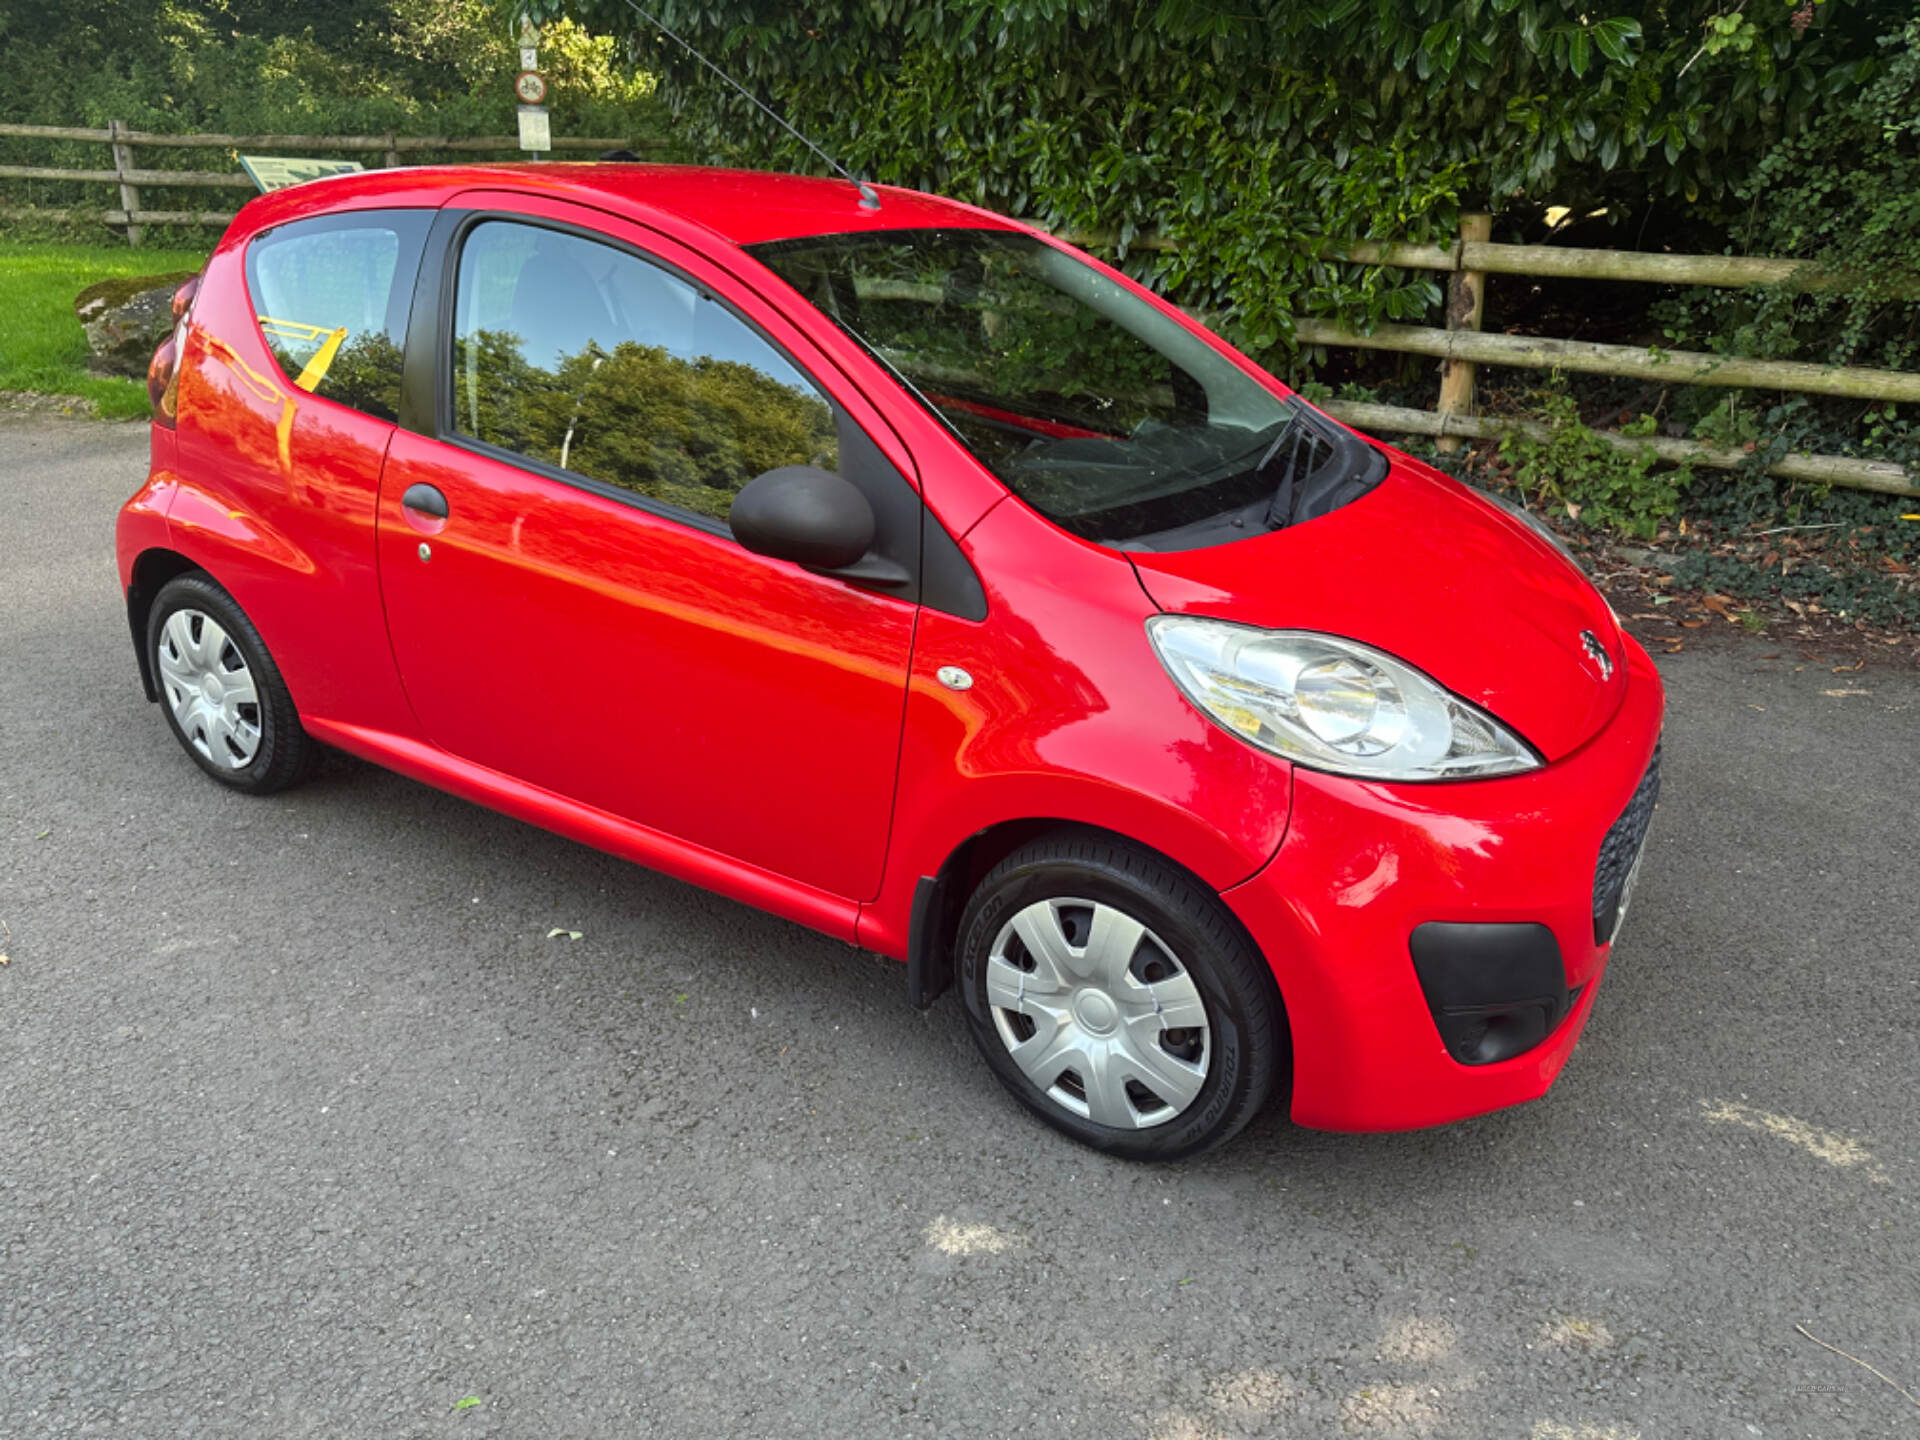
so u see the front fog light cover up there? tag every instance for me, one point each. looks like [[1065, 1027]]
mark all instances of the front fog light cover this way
[[1332, 704]]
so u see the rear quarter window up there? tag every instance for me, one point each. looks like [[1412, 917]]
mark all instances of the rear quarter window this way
[[331, 295]]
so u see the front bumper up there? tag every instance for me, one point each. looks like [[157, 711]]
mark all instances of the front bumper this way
[[1365, 864]]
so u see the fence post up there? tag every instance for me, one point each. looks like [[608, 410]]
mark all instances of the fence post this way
[[1466, 298], [393, 151], [122, 166]]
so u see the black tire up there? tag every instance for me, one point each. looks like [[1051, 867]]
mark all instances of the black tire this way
[[1248, 1052], [285, 753]]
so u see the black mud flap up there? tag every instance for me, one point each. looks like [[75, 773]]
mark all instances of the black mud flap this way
[[929, 960]]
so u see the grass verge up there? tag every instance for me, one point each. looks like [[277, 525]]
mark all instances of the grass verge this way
[[42, 347]]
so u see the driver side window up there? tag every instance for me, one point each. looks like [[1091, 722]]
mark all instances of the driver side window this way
[[588, 358]]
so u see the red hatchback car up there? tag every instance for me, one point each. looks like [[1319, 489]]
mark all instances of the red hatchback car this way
[[894, 567]]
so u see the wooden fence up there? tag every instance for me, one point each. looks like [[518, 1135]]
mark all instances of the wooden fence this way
[[1460, 347], [129, 178]]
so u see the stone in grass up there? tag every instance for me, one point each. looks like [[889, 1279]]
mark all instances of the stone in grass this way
[[126, 320]]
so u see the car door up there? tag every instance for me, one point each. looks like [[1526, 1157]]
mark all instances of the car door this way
[[566, 603]]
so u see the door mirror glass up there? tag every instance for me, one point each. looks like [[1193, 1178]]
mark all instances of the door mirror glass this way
[[803, 514]]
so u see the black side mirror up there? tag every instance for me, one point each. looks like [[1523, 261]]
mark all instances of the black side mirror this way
[[809, 516]]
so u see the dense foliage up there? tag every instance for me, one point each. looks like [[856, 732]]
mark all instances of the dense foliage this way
[[1845, 193], [1239, 133], [1243, 131], [299, 66], [1582, 475], [1858, 557], [442, 67]]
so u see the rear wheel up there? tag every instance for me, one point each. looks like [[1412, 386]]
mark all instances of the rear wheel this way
[[1117, 998], [220, 690]]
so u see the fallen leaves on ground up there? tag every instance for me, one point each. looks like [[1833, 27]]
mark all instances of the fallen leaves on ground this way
[[1658, 611]]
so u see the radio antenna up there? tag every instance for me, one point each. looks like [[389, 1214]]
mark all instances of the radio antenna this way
[[869, 198]]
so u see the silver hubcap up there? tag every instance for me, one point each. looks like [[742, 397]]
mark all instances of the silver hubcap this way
[[209, 689], [1098, 1013]]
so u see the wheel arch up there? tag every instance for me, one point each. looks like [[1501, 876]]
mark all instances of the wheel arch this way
[[152, 569], [940, 898]]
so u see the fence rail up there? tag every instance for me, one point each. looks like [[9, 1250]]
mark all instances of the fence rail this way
[[119, 218], [1459, 347], [130, 178], [390, 141], [1672, 367], [1846, 471], [1540, 262]]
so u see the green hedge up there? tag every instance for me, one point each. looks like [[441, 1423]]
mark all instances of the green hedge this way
[[1241, 130], [442, 67]]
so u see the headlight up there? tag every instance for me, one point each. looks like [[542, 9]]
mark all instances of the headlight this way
[[1332, 704]]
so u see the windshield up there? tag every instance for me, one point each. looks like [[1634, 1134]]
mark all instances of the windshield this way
[[1096, 408]]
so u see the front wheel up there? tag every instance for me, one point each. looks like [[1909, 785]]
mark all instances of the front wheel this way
[[1117, 997]]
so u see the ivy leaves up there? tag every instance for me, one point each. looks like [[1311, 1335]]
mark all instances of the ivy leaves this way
[[1844, 193], [1240, 131]]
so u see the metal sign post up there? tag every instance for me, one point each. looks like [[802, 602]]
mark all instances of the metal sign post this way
[[530, 88]]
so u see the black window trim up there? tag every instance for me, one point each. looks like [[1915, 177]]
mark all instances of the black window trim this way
[[402, 294]]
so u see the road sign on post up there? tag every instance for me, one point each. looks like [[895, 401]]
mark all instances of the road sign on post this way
[[536, 134], [536, 131]]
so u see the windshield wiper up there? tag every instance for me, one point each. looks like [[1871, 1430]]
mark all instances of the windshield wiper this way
[[1286, 495], [1287, 427]]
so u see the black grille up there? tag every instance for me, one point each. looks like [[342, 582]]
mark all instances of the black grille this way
[[1619, 850]]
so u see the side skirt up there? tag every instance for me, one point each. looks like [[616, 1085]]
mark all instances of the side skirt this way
[[830, 914]]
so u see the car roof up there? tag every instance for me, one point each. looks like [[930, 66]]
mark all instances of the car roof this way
[[744, 207]]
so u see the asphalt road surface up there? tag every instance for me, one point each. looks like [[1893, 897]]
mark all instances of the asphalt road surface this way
[[307, 1128]]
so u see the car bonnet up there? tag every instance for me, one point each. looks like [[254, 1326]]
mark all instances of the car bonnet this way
[[1426, 570]]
